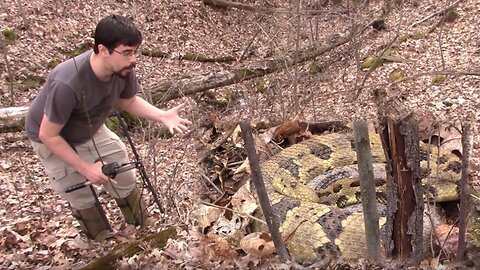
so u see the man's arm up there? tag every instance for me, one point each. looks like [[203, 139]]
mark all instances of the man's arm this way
[[170, 118], [49, 134]]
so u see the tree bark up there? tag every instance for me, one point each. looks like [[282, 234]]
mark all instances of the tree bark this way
[[465, 205], [404, 227]]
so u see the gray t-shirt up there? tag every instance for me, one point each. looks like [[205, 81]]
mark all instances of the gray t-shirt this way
[[61, 99]]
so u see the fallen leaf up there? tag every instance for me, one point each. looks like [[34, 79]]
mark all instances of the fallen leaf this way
[[447, 237], [206, 215]]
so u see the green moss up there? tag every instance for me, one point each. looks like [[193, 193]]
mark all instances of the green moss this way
[[391, 51], [419, 35], [9, 34], [31, 82], [153, 53], [242, 74], [439, 79], [371, 62], [316, 68], [78, 50], [126, 250], [403, 38], [129, 120], [231, 97], [261, 86], [53, 63], [396, 75]]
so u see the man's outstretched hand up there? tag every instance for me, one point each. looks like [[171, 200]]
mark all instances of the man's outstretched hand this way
[[174, 122]]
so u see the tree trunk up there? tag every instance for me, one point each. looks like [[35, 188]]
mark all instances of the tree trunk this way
[[404, 227]]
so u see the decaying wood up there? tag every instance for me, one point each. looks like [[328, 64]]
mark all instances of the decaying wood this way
[[156, 240], [399, 132], [267, 10], [205, 59], [405, 163]]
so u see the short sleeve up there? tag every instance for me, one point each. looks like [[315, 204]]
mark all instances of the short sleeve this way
[[60, 102]]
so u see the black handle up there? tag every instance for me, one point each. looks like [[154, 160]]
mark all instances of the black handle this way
[[77, 186], [110, 169]]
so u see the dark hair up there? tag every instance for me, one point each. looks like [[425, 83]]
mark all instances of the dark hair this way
[[115, 30]]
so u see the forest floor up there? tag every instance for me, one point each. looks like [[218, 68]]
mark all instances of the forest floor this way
[[36, 228]]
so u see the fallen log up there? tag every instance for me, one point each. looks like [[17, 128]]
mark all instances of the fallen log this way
[[13, 119], [171, 89], [156, 240]]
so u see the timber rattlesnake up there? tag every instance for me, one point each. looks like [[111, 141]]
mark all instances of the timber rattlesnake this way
[[322, 228]]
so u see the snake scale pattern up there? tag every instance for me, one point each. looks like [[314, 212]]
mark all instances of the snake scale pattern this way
[[308, 181]]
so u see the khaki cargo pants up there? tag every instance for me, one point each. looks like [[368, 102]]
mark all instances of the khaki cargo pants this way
[[61, 175]]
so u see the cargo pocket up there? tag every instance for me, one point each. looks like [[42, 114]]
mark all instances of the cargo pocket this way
[[110, 144], [42, 151], [56, 168]]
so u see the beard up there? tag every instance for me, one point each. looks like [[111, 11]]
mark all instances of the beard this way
[[125, 72]]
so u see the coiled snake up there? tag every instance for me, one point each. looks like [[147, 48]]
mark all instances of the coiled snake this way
[[310, 205]]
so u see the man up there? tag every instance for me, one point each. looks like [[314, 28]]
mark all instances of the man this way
[[65, 123]]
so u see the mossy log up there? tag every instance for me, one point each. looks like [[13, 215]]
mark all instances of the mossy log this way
[[166, 90], [156, 240], [171, 89]]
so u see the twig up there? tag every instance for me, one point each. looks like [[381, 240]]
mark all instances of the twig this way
[[249, 44], [445, 14], [421, 74], [211, 183]]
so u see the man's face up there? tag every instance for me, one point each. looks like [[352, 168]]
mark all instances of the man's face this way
[[123, 60]]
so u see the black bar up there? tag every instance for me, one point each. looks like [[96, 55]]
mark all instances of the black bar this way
[[77, 186], [138, 162]]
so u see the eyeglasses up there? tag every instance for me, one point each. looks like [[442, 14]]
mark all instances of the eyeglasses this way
[[127, 53]]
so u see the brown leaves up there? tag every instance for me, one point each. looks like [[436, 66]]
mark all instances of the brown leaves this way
[[447, 238], [258, 244]]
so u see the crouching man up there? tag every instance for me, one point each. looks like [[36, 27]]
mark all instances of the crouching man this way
[[65, 123]]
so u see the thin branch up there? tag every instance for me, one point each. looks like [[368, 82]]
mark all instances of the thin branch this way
[[421, 74], [249, 45], [269, 10], [436, 13]]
